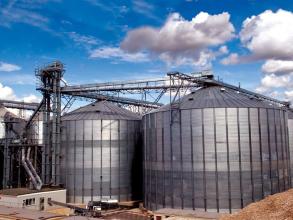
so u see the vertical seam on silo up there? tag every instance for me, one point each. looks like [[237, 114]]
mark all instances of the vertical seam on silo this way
[[150, 161], [181, 158], [203, 155], [163, 159], [92, 170], [228, 159], [277, 153], [127, 149], [250, 155], [216, 159], [282, 149], [119, 165], [288, 148], [110, 185], [260, 152], [66, 156], [144, 161], [269, 145], [74, 190], [83, 122], [171, 159], [192, 159], [240, 158], [156, 147], [101, 161]]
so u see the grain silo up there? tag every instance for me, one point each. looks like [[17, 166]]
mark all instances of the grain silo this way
[[290, 134], [11, 131], [215, 149], [99, 142]]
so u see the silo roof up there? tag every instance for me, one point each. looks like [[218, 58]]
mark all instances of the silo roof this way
[[101, 110], [4, 112], [218, 97]]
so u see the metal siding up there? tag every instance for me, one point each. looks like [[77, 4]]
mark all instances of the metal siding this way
[[98, 156], [214, 158]]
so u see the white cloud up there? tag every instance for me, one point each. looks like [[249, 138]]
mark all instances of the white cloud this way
[[7, 67], [277, 66], [223, 49], [289, 95], [31, 98], [117, 53], [269, 35], [273, 81], [145, 8], [180, 40], [233, 58], [83, 39], [275, 84], [22, 12], [7, 93]]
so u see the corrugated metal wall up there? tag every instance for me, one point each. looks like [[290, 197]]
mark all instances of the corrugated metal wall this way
[[214, 158], [98, 158], [290, 131]]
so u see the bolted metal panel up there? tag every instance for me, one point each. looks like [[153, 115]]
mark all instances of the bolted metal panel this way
[[218, 159], [290, 138], [98, 154]]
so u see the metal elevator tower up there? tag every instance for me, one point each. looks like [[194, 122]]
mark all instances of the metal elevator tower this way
[[49, 84]]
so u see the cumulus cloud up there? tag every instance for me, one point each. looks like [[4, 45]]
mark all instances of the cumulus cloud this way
[[273, 81], [7, 93], [233, 58], [276, 84], [31, 98], [277, 66], [117, 53], [7, 67], [180, 40], [269, 35], [289, 95]]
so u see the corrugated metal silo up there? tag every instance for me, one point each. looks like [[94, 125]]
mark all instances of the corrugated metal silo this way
[[11, 130], [15, 123], [99, 142], [290, 133], [215, 149], [35, 133]]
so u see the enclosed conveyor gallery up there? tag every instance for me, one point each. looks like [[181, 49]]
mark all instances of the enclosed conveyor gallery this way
[[215, 149]]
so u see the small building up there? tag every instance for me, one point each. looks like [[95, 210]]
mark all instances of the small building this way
[[32, 199]]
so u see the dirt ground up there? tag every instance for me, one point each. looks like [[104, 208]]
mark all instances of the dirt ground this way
[[276, 207]]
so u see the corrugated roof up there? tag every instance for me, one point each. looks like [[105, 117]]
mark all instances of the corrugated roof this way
[[218, 97], [100, 110], [4, 112]]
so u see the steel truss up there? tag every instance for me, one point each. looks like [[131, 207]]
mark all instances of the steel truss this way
[[137, 95]]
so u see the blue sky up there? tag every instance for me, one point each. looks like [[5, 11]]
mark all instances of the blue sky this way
[[111, 40]]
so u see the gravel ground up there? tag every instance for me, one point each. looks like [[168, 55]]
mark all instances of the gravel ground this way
[[275, 207]]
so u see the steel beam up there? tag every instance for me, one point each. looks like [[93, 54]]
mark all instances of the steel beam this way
[[19, 104]]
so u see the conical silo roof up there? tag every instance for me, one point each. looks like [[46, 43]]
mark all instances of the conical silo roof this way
[[101, 110], [218, 97], [5, 113]]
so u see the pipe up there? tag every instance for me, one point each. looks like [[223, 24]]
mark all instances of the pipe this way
[[27, 169], [36, 176]]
